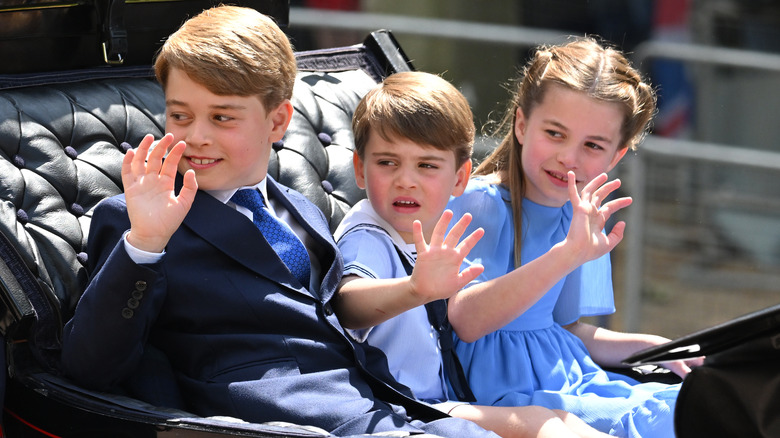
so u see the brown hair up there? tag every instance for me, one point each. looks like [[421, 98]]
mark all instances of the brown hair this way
[[584, 65], [420, 107], [232, 50]]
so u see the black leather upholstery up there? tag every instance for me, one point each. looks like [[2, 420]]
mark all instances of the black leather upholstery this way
[[61, 148]]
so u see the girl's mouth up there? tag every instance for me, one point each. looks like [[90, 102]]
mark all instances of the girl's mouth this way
[[562, 177]]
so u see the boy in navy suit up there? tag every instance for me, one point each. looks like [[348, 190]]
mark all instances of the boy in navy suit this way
[[178, 266]]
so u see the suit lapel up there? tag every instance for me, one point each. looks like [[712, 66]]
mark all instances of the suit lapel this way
[[236, 236]]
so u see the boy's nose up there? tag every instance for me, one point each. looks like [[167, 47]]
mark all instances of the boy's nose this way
[[198, 134], [405, 178]]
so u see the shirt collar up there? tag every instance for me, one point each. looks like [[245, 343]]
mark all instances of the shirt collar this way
[[224, 195]]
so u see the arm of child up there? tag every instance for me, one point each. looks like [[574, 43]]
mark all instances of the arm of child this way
[[154, 209], [487, 306], [366, 302], [100, 347], [608, 348]]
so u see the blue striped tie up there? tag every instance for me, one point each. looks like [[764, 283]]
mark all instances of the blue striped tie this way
[[281, 238]]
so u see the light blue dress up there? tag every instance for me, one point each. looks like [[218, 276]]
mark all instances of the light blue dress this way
[[533, 360]]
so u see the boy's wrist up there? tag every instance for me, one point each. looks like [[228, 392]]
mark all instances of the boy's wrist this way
[[156, 246]]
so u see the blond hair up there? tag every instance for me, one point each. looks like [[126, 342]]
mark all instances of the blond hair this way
[[232, 50]]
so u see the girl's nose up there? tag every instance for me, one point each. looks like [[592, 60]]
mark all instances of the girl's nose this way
[[568, 156]]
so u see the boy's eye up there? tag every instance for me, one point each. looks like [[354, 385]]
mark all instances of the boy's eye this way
[[593, 146], [222, 118], [428, 166], [177, 116]]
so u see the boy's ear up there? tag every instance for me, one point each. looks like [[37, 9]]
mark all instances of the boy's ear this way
[[619, 154], [280, 117], [462, 174], [360, 176]]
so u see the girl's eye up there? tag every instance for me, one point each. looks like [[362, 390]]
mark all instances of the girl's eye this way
[[553, 133]]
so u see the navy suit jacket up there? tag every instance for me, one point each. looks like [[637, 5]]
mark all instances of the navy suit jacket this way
[[244, 338]]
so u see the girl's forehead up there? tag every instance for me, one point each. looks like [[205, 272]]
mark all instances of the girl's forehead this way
[[568, 106]]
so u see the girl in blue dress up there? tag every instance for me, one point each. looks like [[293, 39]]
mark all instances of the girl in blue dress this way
[[578, 108]]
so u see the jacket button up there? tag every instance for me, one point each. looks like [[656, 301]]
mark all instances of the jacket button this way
[[127, 313], [328, 310], [132, 303], [137, 294], [140, 285]]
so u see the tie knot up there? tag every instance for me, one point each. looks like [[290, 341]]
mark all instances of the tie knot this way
[[249, 198]]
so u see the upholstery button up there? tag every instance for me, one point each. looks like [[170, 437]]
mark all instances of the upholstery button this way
[[327, 186], [70, 152], [140, 285], [132, 303], [18, 161], [328, 310], [22, 217], [127, 313], [125, 146], [278, 145], [137, 294], [325, 138], [82, 258], [77, 209]]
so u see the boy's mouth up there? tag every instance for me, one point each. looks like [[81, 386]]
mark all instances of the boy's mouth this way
[[405, 204], [202, 161]]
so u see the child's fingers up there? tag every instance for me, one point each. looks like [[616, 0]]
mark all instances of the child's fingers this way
[[614, 206], [127, 167], [418, 237], [155, 157], [171, 162], [604, 191], [616, 234], [457, 230], [470, 274], [574, 195], [138, 164], [465, 246], [592, 187], [440, 230], [188, 189]]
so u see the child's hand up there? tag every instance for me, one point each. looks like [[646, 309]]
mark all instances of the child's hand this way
[[154, 209], [589, 218], [683, 367], [437, 272]]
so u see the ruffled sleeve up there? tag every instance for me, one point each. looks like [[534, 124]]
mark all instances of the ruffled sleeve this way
[[488, 205], [587, 291]]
